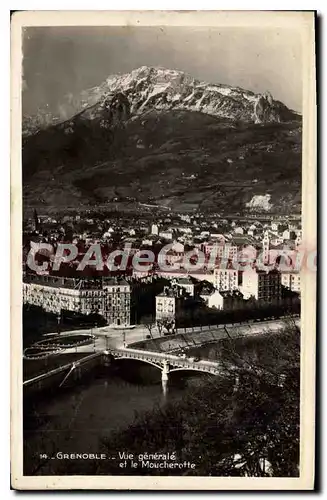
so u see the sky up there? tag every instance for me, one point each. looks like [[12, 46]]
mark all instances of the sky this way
[[66, 60]]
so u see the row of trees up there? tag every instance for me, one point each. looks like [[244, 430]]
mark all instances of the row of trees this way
[[203, 316], [254, 311]]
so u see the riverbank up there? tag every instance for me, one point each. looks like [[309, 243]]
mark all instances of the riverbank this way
[[185, 341]]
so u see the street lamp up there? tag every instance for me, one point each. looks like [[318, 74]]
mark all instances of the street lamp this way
[[94, 337], [59, 313], [58, 321]]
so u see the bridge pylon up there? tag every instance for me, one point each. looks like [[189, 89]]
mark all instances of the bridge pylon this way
[[164, 377], [165, 370]]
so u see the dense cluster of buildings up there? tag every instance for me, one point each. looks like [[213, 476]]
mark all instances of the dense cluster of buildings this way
[[215, 287], [260, 285]]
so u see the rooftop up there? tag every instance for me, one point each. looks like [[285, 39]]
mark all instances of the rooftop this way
[[184, 281], [235, 294], [74, 283], [171, 292]]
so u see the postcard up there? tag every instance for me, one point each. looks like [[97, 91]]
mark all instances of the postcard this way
[[163, 224]]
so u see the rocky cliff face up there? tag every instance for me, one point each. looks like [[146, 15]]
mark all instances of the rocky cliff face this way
[[148, 88]]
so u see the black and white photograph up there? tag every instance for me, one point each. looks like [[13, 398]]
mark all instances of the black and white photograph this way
[[163, 186]]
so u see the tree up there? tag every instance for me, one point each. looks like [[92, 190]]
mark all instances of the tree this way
[[160, 326], [250, 431], [169, 324], [149, 324], [266, 402]]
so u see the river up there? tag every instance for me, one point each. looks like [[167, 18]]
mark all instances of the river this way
[[76, 419]]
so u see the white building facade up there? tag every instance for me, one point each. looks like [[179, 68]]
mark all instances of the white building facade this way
[[213, 299], [225, 279], [108, 298], [292, 281]]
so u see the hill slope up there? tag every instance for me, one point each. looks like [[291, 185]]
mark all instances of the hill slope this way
[[136, 145]]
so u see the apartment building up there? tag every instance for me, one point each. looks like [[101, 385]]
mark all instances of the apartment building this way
[[262, 285], [107, 297], [220, 249], [225, 279], [169, 302], [117, 302], [291, 280]]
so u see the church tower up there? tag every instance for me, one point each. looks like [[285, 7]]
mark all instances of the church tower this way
[[36, 221], [298, 240], [265, 248]]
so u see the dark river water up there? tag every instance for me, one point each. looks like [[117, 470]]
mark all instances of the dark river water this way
[[76, 419]]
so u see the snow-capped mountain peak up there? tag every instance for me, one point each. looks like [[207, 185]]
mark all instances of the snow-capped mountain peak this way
[[147, 88]]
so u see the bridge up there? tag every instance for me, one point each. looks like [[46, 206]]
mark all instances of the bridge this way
[[166, 362]]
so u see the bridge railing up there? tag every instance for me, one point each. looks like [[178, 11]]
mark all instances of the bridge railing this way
[[156, 356]]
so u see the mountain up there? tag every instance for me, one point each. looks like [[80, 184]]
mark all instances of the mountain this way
[[149, 88], [160, 136]]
